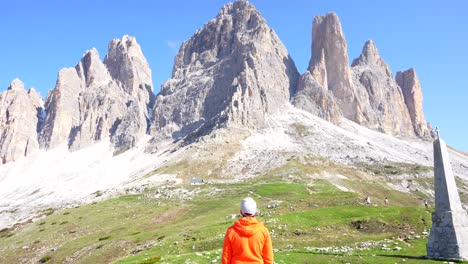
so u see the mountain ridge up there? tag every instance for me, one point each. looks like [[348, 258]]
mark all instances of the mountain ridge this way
[[227, 73]]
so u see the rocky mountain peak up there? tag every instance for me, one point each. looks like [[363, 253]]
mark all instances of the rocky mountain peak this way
[[370, 57], [329, 46], [91, 69], [369, 54], [236, 6], [407, 78], [233, 70], [19, 122], [101, 100], [326, 29], [127, 64], [16, 85], [382, 100], [412, 92], [234, 25]]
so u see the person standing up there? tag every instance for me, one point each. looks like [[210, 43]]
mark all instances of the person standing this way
[[386, 201], [247, 240], [368, 202]]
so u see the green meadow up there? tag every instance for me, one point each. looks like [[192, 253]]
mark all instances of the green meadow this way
[[311, 220]]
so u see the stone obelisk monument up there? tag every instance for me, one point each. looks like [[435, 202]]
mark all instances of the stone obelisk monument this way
[[449, 233]]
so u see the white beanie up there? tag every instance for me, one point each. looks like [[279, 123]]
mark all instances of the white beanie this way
[[248, 206]]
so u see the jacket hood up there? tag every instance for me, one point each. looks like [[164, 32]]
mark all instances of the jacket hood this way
[[247, 226]]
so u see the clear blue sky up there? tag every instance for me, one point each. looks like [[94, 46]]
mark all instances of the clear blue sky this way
[[41, 37]]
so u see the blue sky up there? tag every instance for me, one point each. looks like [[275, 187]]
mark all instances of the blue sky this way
[[41, 37]]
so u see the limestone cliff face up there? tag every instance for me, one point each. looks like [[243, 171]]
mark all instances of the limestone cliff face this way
[[382, 100], [409, 83], [365, 93], [128, 66], [329, 45], [62, 109], [96, 100], [233, 71], [20, 116], [100, 103], [313, 95]]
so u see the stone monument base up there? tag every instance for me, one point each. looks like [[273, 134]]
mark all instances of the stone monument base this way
[[449, 236]]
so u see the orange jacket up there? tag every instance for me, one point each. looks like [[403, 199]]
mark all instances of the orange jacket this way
[[247, 241]]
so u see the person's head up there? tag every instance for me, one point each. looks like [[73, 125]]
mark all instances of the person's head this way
[[248, 207]]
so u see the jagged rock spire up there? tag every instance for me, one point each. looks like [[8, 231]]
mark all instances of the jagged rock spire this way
[[370, 56], [96, 101], [382, 100], [16, 85], [62, 109], [313, 95], [91, 69], [412, 92], [127, 64], [329, 44], [19, 121]]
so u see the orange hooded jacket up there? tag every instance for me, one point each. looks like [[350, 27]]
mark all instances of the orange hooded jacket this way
[[247, 241]]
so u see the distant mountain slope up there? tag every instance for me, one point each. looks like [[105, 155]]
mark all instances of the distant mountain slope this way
[[27, 187]]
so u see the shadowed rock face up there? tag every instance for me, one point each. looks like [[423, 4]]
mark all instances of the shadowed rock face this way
[[313, 95], [91, 101], [20, 114], [233, 71], [383, 104], [409, 83]]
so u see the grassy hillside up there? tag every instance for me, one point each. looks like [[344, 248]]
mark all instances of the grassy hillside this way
[[315, 220]]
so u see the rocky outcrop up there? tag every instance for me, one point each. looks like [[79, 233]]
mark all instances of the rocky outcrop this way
[[96, 100], [62, 109], [313, 95], [365, 93], [128, 66], [234, 71], [329, 45], [409, 83], [100, 103], [20, 116], [381, 98]]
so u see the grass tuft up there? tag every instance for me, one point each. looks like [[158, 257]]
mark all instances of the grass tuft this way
[[151, 260], [44, 259]]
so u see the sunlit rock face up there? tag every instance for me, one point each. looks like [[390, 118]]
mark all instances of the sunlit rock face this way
[[101, 100], [233, 71], [381, 98], [20, 116], [409, 83]]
